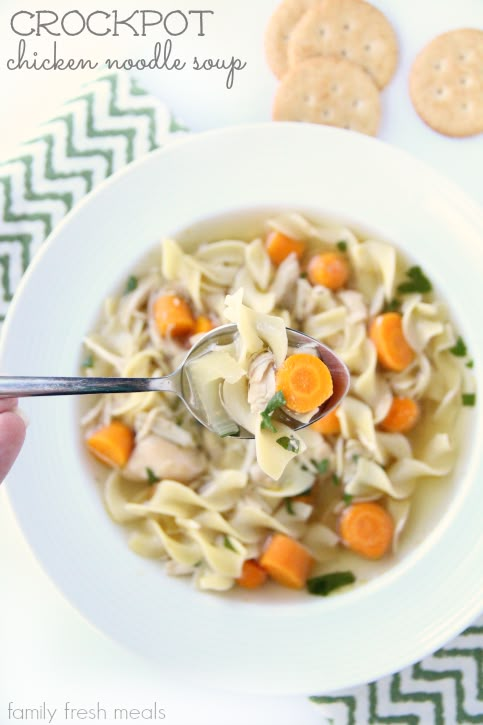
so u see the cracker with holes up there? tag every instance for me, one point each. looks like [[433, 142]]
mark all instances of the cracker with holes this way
[[330, 91], [351, 29], [446, 83], [279, 28]]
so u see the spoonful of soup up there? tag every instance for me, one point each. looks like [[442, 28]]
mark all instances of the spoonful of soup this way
[[227, 387]]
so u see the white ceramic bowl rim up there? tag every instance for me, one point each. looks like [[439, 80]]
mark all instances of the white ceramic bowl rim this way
[[287, 647]]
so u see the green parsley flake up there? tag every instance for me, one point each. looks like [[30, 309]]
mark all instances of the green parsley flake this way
[[88, 362], [290, 444], [417, 282], [131, 284], [152, 478], [320, 466], [326, 583], [459, 350], [277, 401], [392, 305], [470, 364], [289, 506], [347, 498], [342, 246], [335, 479], [468, 399], [227, 543]]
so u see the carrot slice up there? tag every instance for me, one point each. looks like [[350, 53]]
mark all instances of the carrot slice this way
[[367, 529], [402, 416], [173, 316], [203, 324], [252, 576], [280, 246], [329, 269], [287, 561], [393, 350], [328, 425], [112, 444], [305, 382]]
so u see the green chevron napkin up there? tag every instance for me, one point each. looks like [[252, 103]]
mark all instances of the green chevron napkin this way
[[109, 124]]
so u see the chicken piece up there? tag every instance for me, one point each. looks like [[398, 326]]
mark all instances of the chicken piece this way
[[261, 381], [164, 459]]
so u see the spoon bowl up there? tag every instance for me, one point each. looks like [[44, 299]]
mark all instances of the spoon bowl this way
[[177, 382]]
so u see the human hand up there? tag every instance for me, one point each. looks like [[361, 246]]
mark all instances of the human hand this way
[[12, 434]]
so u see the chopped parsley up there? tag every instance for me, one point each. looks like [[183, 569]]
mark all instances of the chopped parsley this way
[[468, 398], [227, 543], [131, 284], [152, 478], [320, 466], [290, 444], [277, 401], [355, 457], [335, 479], [347, 498], [88, 362], [470, 364], [326, 583], [289, 506], [417, 282], [304, 275], [459, 350], [342, 246], [303, 467], [392, 306]]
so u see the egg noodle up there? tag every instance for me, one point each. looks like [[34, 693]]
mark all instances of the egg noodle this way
[[203, 504]]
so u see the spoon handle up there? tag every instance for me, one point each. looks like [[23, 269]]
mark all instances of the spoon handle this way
[[23, 387]]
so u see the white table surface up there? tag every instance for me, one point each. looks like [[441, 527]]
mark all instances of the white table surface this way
[[48, 653]]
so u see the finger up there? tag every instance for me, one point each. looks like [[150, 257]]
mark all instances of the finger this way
[[12, 435], [8, 404]]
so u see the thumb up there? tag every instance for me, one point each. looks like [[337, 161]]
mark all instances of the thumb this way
[[12, 435]]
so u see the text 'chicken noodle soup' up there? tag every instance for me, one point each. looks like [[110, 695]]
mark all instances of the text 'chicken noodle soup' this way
[[318, 508]]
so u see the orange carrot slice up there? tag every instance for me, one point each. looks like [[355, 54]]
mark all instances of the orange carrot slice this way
[[173, 316], [280, 246], [402, 416], [252, 576], [305, 382], [328, 425], [367, 529], [329, 269], [287, 561], [112, 444], [393, 350], [203, 324]]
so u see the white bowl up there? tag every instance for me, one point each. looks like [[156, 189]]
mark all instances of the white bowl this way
[[300, 644]]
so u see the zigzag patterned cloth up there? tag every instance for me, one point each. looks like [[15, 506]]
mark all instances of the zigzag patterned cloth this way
[[106, 127]]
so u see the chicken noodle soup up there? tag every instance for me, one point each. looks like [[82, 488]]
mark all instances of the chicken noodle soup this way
[[213, 507]]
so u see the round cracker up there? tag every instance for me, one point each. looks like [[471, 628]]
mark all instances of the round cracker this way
[[279, 28], [351, 29], [446, 83], [330, 91]]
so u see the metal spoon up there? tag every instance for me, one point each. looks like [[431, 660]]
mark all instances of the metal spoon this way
[[177, 382]]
